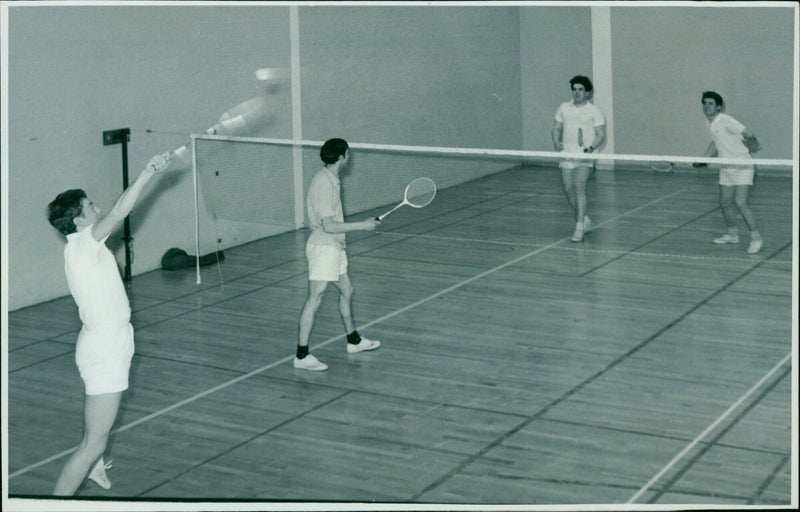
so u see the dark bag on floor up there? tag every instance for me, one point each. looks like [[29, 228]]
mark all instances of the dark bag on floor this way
[[175, 259]]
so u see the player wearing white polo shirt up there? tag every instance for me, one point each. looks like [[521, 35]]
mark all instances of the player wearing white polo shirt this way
[[731, 139]]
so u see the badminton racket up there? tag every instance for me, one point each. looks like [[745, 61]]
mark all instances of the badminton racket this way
[[419, 193], [661, 166]]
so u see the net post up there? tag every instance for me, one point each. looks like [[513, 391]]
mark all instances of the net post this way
[[196, 212], [299, 198]]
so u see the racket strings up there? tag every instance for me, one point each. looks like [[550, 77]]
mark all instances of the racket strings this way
[[420, 192]]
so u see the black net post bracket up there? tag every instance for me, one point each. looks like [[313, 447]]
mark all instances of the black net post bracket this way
[[122, 136]]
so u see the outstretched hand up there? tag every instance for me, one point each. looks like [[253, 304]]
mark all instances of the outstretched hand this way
[[159, 162], [751, 143]]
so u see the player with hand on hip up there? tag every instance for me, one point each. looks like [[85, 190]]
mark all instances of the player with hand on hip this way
[[731, 139]]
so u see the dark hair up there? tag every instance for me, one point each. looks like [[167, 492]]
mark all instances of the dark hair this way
[[714, 96], [583, 80], [61, 212], [332, 150]]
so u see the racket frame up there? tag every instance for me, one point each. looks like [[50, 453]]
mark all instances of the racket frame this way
[[405, 201]]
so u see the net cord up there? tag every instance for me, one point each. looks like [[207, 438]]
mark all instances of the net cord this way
[[561, 155]]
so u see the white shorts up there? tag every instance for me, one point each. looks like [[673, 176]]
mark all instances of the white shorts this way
[[103, 356], [574, 164], [325, 262], [732, 176]]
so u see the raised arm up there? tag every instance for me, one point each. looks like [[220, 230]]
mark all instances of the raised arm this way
[[106, 224]]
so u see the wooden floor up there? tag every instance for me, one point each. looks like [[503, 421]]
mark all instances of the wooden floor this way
[[645, 365]]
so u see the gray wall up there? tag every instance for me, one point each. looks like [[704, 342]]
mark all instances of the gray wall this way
[[555, 45], [664, 58], [438, 76]]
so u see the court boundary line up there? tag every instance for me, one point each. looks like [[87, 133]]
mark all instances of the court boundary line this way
[[707, 430], [575, 248], [714, 441], [544, 410], [378, 320]]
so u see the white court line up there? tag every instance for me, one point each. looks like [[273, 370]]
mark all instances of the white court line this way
[[708, 429], [575, 248], [331, 340]]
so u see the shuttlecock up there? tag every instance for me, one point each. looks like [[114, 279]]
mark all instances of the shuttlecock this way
[[272, 74]]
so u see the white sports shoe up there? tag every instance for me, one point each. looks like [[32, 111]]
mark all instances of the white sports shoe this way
[[310, 363], [363, 345], [578, 236], [98, 474], [727, 239], [587, 223], [755, 246]]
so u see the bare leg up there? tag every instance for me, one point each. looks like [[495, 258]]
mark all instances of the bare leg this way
[[568, 182], [355, 343], [99, 413], [346, 302], [740, 193], [581, 177], [315, 291], [726, 194]]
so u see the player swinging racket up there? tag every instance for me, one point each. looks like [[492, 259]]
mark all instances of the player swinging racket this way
[[579, 127], [104, 349], [325, 251]]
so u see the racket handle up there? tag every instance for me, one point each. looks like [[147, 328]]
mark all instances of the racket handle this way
[[381, 217]]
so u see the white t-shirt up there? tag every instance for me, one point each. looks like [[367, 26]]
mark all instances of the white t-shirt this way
[[579, 124], [94, 281], [324, 200], [726, 132]]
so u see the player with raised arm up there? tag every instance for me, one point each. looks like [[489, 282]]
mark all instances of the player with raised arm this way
[[325, 251], [105, 346], [731, 139]]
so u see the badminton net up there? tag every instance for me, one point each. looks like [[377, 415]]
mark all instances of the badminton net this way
[[252, 188]]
